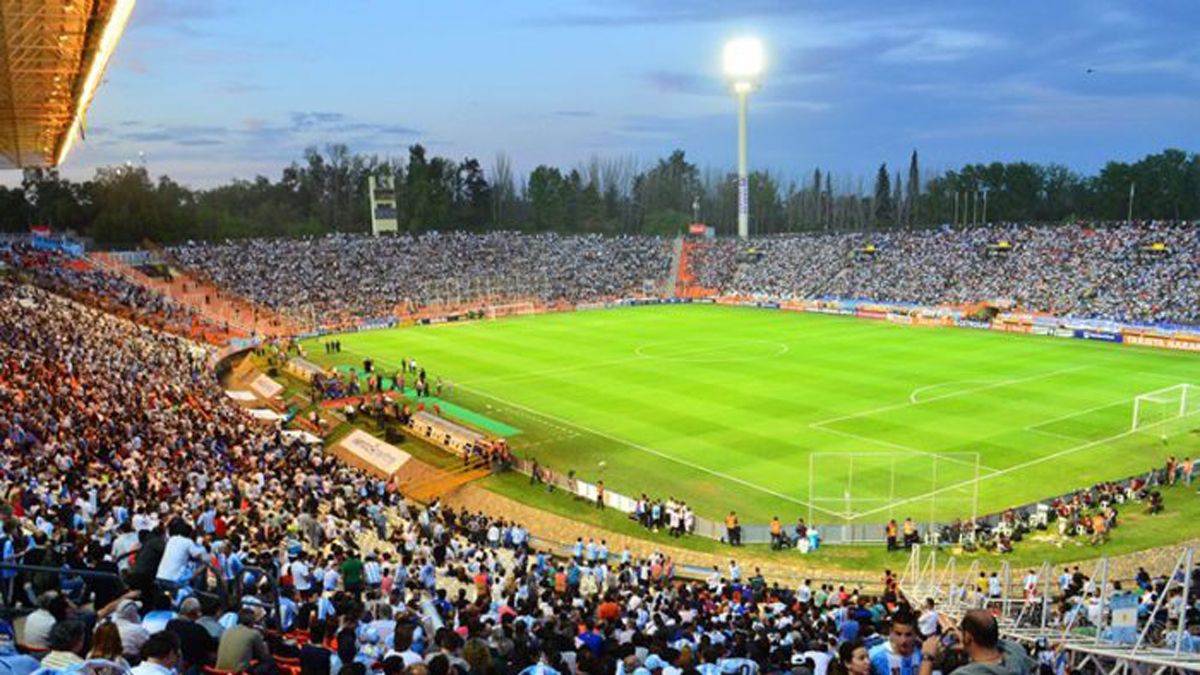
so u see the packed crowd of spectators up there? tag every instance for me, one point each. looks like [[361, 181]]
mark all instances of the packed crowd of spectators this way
[[225, 545], [224, 542], [75, 277], [1101, 271], [1094, 270], [358, 276]]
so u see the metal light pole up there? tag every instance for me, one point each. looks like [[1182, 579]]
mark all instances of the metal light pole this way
[[744, 60], [743, 98]]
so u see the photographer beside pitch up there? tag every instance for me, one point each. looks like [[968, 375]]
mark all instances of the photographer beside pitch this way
[[977, 642]]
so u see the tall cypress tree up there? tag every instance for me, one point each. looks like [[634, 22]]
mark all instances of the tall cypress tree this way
[[912, 211], [815, 214], [883, 198], [898, 201]]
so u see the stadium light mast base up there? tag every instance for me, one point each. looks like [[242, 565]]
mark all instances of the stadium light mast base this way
[[743, 60]]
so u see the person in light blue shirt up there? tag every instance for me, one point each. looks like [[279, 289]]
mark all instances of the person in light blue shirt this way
[[208, 521], [899, 655], [11, 662]]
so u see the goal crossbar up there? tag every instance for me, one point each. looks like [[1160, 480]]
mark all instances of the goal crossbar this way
[[1162, 405]]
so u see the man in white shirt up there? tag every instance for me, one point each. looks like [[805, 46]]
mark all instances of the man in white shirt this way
[[180, 554], [124, 545], [804, 593], [301, 578], [927, 624]]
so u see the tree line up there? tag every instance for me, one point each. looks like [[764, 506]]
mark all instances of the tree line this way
[[326, 191]]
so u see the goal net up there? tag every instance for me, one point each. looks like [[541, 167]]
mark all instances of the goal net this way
[[1164, 409], [511, 309], [853, 488]]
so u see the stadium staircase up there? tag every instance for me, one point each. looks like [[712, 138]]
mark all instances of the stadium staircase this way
[[242, 316], [671, 282], [685, 281], [426, 490]]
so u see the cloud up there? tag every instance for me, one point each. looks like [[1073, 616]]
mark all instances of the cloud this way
[[675, 82], [938, 45], [307, 120], [663, 12], [198, 142]]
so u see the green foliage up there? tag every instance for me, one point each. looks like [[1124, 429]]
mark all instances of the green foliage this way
[[326, 191], [885, 215]]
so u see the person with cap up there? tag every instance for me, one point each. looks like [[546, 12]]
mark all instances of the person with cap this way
[[160, 655], [198, 646], [128, 620], [12, 662]]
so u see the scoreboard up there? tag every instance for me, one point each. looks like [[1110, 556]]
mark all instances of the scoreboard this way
[[383, 204]]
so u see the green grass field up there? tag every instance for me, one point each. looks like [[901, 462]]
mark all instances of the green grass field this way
[[728, 407]]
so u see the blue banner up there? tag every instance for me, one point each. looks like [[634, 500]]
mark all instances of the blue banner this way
[[1098, 335]]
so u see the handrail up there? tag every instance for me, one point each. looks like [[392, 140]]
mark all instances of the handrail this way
[[222, 594]]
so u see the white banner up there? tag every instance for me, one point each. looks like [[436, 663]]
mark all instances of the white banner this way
[[266, 387], [366, 452]]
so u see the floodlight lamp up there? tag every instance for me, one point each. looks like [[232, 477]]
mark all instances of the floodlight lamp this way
[[744, 59]]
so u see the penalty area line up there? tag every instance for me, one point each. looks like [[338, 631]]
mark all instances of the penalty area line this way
[[652, 451], [1033, 462]]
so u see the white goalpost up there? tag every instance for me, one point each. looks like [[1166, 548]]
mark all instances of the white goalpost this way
[[1158, 407]]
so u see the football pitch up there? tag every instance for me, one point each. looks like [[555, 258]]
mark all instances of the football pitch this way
[[770, 413]]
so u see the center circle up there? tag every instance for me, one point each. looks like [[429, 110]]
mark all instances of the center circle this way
[[712, 350]]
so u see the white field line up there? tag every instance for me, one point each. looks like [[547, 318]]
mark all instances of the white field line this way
[[953, 394], [638, 356], [906, 448], [1077, 413], [638, 446], [1032, 462], [913, 398], [652, 451], [1053, 434]]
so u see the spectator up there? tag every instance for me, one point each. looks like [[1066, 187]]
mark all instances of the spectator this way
[[242, 644], [106, 644], [160, 655], [12, 662], [66, 643], [197, 646], [978, 636]]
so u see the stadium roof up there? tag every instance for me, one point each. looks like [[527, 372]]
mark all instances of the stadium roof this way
[[52, 57]]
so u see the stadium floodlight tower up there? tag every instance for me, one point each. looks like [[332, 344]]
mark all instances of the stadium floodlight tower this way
[[744, 60]]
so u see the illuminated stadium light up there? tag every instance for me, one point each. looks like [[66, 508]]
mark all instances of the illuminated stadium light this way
[[744, 60], [108, 44]]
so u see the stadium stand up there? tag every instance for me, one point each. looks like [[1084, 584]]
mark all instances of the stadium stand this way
[[137, 495], [1109, 271]]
